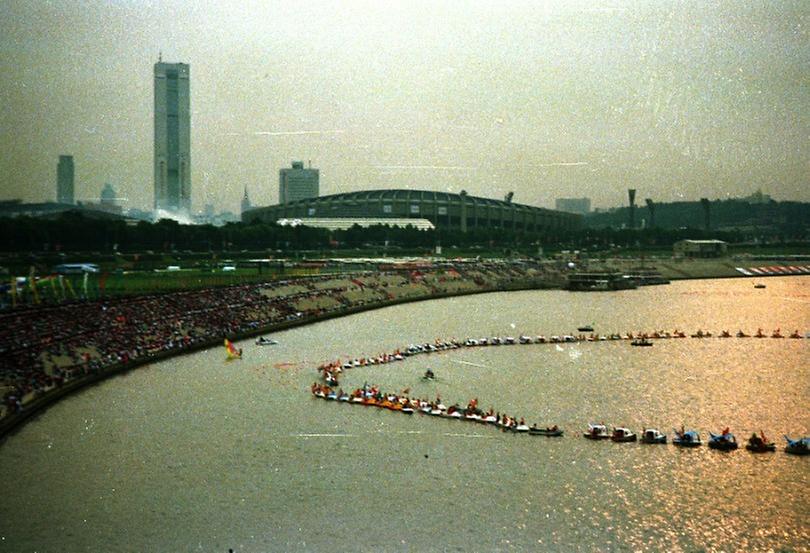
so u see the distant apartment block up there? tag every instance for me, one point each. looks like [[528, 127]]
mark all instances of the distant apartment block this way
[[172, 137], [581, 206], [297, 183], [64, 180]]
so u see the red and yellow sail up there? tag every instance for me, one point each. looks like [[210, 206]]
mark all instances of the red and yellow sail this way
[[233, 353]]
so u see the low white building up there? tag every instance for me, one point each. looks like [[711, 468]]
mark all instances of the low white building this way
[[700, 248]]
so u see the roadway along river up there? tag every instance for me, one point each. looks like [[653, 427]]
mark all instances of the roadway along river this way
[[199, 454]]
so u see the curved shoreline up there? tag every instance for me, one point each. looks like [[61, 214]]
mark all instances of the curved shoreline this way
[[15, 421]]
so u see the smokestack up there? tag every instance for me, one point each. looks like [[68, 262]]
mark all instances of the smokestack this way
[[651, 209], [631, 193], [706, 212]]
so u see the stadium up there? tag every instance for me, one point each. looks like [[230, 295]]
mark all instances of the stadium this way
[[447, 211]]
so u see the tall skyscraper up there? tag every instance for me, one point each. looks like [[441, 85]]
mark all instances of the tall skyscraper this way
[[172, 137], [245, 201], [297, 183], [64, 180]]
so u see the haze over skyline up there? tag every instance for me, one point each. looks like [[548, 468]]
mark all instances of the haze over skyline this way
[[544, 99]]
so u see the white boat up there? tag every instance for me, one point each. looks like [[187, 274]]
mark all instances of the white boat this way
[[653, 436], [263, 341], [622, 434], [596, 432]]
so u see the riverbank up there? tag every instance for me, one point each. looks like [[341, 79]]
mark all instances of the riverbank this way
[[65, 362]]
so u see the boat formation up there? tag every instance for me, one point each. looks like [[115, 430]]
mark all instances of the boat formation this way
[[331, 371], [372, 396], [402, 402]]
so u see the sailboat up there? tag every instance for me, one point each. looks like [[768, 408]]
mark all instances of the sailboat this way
[[232, 351]]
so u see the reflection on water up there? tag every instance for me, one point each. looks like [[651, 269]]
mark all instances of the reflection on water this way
[[198, 454]]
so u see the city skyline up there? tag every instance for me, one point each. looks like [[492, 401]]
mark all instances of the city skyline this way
[[547, 101]]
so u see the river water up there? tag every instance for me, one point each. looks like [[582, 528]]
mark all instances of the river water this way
[[199, 454]]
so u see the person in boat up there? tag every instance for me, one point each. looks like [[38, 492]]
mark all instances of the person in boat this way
[[554, 428], [429, 375]]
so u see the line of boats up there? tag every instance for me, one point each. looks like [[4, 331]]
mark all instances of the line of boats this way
[[332, 370], [372, 397]]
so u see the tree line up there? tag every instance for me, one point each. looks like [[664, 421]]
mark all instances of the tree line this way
[[74, 232]]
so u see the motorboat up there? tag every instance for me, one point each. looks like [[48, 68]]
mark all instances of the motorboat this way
[[798, 447], [724, 442], [795, 335], [265, 341], [760, 444], [586, 328], [741, 334], [332, 395], [552, 431], [688, 438], [622, 434], [343, 397], [759, 285], [521, 428], [652, 436], [642, 342], [596, 432]]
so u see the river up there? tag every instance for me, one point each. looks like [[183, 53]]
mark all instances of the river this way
[[199, 454]]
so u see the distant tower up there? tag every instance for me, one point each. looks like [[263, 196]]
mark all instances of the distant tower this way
[[64, 180], [172, 137], [245, 201], [651, 209], [631, 193], [707, 221], [108, 196], [297, 183]]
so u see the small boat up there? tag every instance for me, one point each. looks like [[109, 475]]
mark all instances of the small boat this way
[[332, 395], [798, 447], [741, 334], [343, 397], [264, 341], [724, 442], [407, 409], [596, 432], [429, 375], [642, 342], [795, 335], [760, 444], [586, 328], [686, 439], [552, 431], [622, 434], [759, 285], [652, 436]]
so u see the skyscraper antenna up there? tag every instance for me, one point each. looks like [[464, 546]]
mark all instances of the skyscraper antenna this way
[[160, 56]]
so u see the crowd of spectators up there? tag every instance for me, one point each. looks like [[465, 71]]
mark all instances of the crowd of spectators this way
[[43, 347]]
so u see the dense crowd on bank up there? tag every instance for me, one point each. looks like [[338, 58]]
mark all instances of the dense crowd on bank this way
[[43, 347]]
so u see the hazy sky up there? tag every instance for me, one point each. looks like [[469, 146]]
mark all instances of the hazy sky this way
[[547, 99]]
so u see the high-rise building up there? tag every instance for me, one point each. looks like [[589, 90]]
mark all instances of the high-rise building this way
[[245, 201], [297, 183], [108, 196], [172, 137], [574, 205], [64, 180]]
